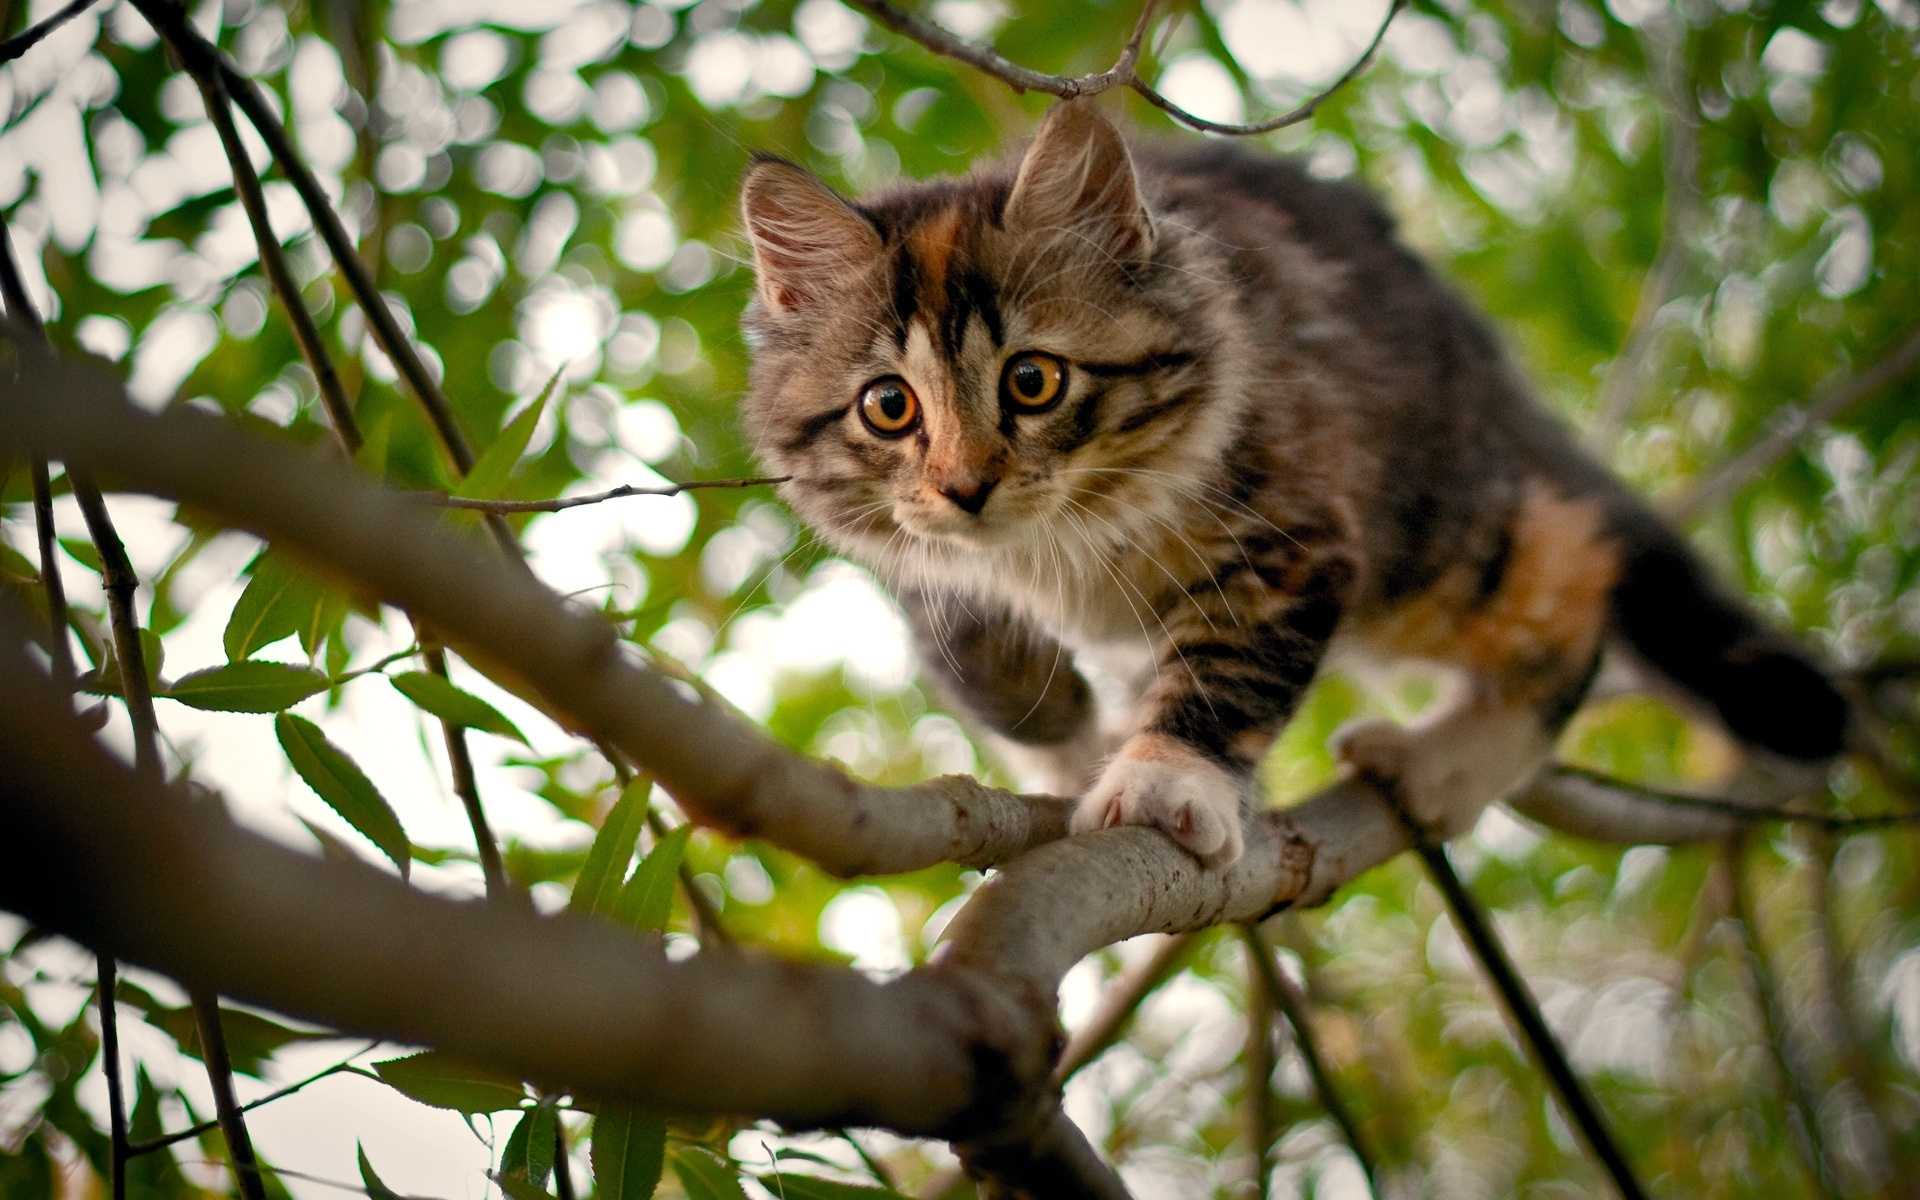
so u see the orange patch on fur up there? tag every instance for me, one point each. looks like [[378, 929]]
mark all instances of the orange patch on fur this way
[[1544, 620], [1162, 748], [932, 247]]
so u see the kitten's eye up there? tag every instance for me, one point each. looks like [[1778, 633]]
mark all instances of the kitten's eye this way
[[889, 407], [1033, 382]]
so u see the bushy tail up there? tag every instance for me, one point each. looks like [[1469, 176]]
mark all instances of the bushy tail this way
[[1765, 686]]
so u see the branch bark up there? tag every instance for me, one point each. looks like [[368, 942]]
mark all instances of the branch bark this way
[[1123, 73], [1789, 425]]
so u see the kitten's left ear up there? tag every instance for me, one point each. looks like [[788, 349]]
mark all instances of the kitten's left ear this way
[[1078, 175], [807, 242]]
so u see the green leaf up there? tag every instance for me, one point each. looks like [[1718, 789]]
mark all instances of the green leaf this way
[[328, 613], [598, 887], [490, 473], [255, 687], [629, 1152], [433, 1078], [529, 1152], [106, 681], [812, 1187], [452, 705], [647, 899], [17, 564], [338, 780], [376, 1189], [83, 552], [520, 1189], [704, 1175], [271, 607]]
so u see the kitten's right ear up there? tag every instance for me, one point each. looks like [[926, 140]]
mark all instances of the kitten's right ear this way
[[807, 242]]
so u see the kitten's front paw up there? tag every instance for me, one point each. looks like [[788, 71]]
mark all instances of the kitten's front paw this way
[[1160, 782]]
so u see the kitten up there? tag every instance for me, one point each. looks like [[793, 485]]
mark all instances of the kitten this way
[[1187, 417]]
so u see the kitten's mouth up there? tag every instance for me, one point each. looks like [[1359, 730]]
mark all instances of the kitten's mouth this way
[[953, 527]]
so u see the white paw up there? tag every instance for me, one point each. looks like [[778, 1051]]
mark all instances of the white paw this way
[[1195, 803]]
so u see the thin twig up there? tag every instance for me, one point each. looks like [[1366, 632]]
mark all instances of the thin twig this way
[[204, 61], [562, 1173], [1123, 73], [233, 1127], [343, 1067], [443, 500], [460, 762], [1805, 1134], [273, 262], [1626, 377], [118, 1152], [1294, 1005], [1262, 1031], [59, 638], [1836, 822], [1525, 1012], [1117, 1004], [1789, 424], [26, 40]]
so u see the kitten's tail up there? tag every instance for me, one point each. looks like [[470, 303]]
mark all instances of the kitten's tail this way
[[1766, 688]]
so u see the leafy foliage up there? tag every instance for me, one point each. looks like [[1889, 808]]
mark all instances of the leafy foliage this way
[[546, 202]]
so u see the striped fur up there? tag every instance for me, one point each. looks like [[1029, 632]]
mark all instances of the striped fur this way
[[1278, 433]]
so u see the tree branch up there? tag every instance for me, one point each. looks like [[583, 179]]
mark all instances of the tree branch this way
[[1591, 805], [1789, 424], [26, 40], [1524, 1011], [1626, 380], [1123, 73], [345, 1066], [1117, 1005], [443, 500], [1294, 1005]]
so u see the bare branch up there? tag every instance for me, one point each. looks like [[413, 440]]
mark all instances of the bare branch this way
[[1263, 1031], [1117, 1005], [1592, 805], [1294, 1005], [1789, 424], [26, 40], [345, 1066], [1123, 73], [1800, 1092], [274, 264], [233, 1127], [118, 1151], [1626, 377], [443, 500], [1524, 1011]]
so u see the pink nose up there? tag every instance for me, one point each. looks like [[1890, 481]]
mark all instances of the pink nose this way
[[969, 499]]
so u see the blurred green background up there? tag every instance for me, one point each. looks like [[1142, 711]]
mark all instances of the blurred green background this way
[[549, 188]]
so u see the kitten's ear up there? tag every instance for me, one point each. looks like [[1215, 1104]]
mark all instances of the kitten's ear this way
[[807, 241], [1078, 175]]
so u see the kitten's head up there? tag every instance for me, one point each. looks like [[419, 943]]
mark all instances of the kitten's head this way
[[947, 367]]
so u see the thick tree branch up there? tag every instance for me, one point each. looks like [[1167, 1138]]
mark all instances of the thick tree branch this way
[[1586, 804], [1791, 423], [1123, 73]]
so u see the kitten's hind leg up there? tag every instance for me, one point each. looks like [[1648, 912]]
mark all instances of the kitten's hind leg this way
[[1017, 681]]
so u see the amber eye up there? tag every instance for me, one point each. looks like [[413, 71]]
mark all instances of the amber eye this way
[[889, 407], [1033, 382]]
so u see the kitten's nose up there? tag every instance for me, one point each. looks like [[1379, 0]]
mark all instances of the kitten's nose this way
[[970, 500]]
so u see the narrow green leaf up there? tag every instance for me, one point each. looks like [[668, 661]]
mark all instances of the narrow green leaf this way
[[520, 1189], [17, 564], [647, 899], [629, 1152], [376, 1189], [252, 1040], [256, 687], [83, 552], [106, 681], [490, 473], [704, 1175], [329, 610], [529, 1153], [433, 1078], [598, 886], [812, 1187], [338, 780], [269, 609], [453, 705]]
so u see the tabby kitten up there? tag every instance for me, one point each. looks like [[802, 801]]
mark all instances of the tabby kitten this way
[[1189, 419]]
